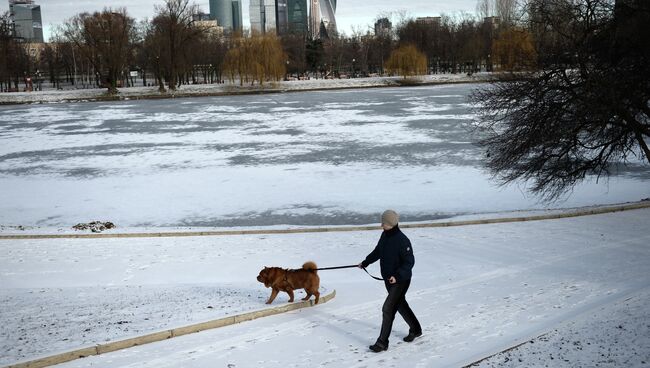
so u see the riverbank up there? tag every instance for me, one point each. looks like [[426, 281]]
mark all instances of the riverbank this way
[[200, 90]]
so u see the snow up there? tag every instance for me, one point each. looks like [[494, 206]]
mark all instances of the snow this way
[[302, 159], [614, 335], [476, 289], [54, 96]]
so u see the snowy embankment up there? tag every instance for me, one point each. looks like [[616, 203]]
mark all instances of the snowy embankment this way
[[51, 96], [477, 290]]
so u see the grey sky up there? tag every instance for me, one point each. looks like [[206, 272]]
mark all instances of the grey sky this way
[[350, 14]]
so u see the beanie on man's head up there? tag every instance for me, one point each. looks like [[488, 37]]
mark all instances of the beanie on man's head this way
[[390, 218]]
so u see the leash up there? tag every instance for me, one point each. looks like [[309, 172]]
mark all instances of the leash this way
[[350, 266]]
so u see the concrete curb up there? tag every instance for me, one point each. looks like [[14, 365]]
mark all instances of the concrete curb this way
[[576, 213], [166, 334]]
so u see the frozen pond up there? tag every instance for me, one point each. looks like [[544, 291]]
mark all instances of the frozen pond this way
[[311, 158]]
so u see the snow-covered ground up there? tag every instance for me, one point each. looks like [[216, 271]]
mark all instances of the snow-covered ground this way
[[476, 290], [302, 160], [54, 96], [614, 335]]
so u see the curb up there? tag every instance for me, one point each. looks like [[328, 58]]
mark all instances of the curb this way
[[166, 334], [580, 212]]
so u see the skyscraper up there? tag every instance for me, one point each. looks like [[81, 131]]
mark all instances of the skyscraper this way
[[297, 16], [383, 27], [281, 16], [227, 13], [314, 19], [237, 22], [263, 16], [321, 18], [26, 18]]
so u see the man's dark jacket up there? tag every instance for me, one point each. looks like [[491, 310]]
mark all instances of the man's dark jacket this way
[[395, 253]]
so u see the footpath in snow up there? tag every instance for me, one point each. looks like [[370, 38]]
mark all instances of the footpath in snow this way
[[477, 290]]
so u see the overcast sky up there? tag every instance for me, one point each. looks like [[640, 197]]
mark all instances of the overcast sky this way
[[350, 14]]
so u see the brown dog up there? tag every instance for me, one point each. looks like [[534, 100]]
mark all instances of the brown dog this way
[[279, 279]]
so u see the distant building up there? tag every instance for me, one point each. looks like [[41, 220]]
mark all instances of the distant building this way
[[277, 15], [210, 26], [281, 16], [263, 16], [314, 19], [383, 27], [492, 22], [429, 21], [297, 16], [26, 20], [227, 13], [322, 21], [199, 17]]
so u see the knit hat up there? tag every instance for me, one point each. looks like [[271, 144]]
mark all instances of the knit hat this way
[[390, 218]]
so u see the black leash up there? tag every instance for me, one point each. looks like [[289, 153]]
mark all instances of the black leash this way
[[350, 266]]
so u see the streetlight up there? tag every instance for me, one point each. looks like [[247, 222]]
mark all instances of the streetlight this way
[[353, 69]]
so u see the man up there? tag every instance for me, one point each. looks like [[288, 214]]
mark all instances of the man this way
[[396, 260]]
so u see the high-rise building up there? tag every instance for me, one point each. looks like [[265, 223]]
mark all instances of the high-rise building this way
[[383, 27], [227, 13], [237, 18], [26, 19], [297, 15], [429, 21], [322, 21], [314, 19], [269, 16], [281, 16], [263, 16]]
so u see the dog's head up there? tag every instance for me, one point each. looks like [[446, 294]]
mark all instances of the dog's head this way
[[266, 276]]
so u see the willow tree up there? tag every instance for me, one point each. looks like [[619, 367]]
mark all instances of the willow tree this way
[[259, 58], [407, 61], [513, 50]]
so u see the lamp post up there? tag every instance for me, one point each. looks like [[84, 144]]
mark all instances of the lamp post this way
[[353, 68], [286, 76]]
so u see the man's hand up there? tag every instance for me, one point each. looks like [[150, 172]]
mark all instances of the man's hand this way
[[392, 280]]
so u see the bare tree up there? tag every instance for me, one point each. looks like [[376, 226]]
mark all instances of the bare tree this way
[[104, 40], [175, 32], [14, 59], [581, 113]]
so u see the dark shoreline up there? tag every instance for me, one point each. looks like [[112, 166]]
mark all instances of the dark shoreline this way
[[235, 90]]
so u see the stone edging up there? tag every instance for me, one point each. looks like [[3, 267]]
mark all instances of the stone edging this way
[[576, 213], [166, 334]]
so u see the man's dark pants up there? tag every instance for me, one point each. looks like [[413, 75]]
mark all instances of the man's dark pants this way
[[396, 302]]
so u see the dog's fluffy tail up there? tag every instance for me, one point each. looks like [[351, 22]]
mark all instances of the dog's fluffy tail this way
[[310, 266]]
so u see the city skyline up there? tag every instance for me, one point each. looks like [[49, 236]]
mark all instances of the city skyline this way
[[350, 14]]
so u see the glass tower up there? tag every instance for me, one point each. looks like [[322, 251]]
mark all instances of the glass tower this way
[[26, 18], [227, 13]]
